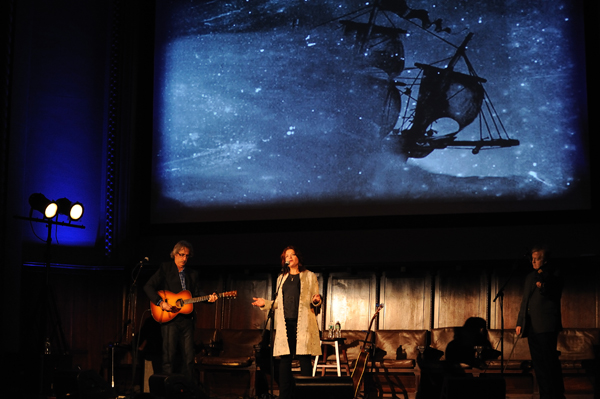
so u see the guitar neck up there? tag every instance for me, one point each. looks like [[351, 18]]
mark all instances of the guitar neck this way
[[371, 327], [197, 299], [202, 298]]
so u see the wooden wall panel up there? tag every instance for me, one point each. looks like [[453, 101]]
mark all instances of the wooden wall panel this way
[[95, 320], [209, 315], [351, 300], [86, 309], [580, 304], [240, 311], [510, 279], [461, 292], [407, 299], [93, 305]]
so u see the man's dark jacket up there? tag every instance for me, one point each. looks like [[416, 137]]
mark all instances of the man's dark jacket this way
[[167, 278], [540, 307]]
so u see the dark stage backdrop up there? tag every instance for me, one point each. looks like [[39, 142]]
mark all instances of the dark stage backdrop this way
[[285, 109]]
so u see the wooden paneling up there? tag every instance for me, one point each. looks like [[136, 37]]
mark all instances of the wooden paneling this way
[[407, 300], [93, 306], [351, 300], [510, 281], [209, 314], [580, 303], [461, 292], [84, 306], [240, 310]]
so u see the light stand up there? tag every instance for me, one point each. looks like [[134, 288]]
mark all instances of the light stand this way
[[50, 315]]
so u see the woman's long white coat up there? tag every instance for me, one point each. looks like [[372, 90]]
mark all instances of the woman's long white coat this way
[[308, 341]]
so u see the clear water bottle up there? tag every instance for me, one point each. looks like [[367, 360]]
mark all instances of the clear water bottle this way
[[330, 334], [338, 330]]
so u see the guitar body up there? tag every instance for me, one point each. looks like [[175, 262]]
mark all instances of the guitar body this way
[[359, 370], [176, 300], [180, 303], [363, 357]]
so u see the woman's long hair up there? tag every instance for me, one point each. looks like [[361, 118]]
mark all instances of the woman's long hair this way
[[301, 267]]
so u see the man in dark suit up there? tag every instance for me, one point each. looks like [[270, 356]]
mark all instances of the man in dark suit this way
[[178, 333], [540, 321]]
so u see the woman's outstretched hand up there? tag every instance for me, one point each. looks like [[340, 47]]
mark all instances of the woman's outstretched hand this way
[[260, 302]]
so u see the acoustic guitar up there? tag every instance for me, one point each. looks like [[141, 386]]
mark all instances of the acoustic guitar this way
[[181, 303], [363, 357]]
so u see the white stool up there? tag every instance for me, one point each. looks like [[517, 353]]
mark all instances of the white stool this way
[[325, 343]]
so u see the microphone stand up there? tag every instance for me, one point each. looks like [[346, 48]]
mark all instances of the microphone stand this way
[[271, 319], [500, 295]]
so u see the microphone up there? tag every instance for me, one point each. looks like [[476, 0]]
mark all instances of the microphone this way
[[140, 264], [285, 266]]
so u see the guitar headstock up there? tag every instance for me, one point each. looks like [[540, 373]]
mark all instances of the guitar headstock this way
[[229, 294], [379, 307]]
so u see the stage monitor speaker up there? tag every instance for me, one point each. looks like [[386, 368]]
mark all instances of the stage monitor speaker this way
[[474, 388], [324, 387], [174, 386], [92, 386]]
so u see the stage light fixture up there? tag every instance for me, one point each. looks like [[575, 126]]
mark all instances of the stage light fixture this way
[[40, 203], [74, 210]]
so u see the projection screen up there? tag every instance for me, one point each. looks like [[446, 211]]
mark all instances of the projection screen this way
[[288, 109]]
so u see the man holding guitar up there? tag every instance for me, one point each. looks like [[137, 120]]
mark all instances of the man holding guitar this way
[[177, 332]]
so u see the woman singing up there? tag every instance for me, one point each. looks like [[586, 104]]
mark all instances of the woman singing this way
[[295, 319]]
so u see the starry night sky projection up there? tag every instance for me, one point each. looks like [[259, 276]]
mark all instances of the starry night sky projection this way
[[267, 107]]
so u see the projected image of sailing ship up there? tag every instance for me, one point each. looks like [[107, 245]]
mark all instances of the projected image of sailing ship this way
[[365, 107], [429, 111]]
